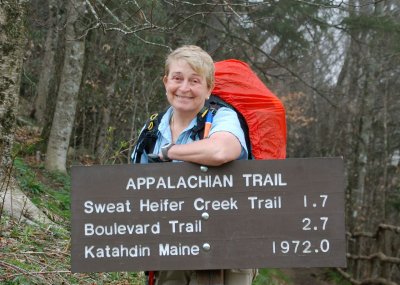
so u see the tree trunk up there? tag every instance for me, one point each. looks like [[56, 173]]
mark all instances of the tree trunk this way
[[105, 139], [71, 76], [12, 40], [48, 69], [11, 54]]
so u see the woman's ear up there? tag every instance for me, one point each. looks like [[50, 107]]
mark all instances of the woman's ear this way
[[165, 80]]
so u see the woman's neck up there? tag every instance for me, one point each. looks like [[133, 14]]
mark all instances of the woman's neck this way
[[179, 122]]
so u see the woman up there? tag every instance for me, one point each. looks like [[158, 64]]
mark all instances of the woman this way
[[188, 81]]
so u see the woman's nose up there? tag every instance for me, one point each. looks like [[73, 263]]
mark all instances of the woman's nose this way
[[185, 86]]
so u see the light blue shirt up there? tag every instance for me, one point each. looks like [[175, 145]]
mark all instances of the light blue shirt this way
[[225, 120]]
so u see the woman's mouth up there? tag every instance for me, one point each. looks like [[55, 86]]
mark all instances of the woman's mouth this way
[[183, 97]]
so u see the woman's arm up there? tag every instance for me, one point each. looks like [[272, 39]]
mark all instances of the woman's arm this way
[[221, 147], [225, 143]]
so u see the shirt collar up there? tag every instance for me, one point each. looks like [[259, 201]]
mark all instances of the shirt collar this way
[[164, 127]]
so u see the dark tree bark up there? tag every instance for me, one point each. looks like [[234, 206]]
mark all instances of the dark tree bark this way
[[12, 41], [48, 70], [11, 54]]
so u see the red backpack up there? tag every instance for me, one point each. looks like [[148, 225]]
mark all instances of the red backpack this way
[[239, 86]]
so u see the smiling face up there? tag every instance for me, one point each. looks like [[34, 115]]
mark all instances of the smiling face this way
[[186, 89]]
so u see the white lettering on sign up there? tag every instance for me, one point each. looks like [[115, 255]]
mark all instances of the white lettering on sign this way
[[190, 182], [300, 247], [116, 251], [121, 229], [179, 227], [163, 205], [261, 180], [107, 208], [174, 250], [203, 205], [271, 203]]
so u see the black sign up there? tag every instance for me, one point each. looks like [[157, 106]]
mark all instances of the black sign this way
[[179, 216]]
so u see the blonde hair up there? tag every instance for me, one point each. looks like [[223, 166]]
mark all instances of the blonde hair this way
[[199, 60]]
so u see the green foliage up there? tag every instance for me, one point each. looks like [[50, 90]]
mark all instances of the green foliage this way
[[385, 29], [50, 191], [19, 280], [336, 278], [27, 141], [27, 178], [270, 277], [63, 181], [286, 21], [380, 24], [27, 251]]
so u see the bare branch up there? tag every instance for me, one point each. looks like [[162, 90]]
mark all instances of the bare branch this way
[[369, 281], [126, 30], [93, 10], [12, 266], [114, 16], [233, 11], [278, 63], [379, 255], [381, 227], [390, 228]]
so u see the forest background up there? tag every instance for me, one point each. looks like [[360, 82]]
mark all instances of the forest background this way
[[79, 79]]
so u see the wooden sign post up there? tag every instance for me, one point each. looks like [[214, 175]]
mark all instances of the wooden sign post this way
[[180, 216]]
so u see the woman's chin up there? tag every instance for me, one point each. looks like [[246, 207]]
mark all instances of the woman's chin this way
[[185, 109]]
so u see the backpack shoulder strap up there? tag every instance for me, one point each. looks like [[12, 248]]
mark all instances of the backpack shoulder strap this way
[[198, 129], [217, 102], [148, 137]]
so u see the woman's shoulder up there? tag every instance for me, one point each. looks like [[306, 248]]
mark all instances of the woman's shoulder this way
[[225, 113]]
